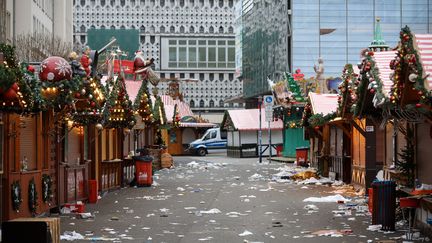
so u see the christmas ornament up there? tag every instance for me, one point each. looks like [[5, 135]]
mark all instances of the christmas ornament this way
[[54, 69]]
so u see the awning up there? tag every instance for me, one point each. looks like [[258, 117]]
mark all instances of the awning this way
[[323, 103], [424, 47], [248, 120]]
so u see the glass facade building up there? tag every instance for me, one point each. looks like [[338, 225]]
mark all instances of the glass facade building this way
[[337, 30]]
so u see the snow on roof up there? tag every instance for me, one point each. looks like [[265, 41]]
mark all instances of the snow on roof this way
[[424, 47], [323, 103], [248, 120], [382, 61]]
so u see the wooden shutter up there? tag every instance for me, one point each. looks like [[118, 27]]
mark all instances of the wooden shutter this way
[[73, 152], [28, 142]]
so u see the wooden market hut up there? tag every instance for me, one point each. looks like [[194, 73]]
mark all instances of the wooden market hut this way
[[411, 104], [242, 128], [318, 112]]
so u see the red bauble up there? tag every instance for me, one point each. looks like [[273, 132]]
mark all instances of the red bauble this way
[[372, 91], [371, 53], [15, 87], [406, 37], [54, 69], [420, 93], [93, 104], [77, 95], [317, 128], [10, 94], [418, 105], [31, 69]]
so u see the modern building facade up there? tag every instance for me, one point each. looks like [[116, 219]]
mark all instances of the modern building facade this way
[[335, 30], [190, 40], [48, 17]]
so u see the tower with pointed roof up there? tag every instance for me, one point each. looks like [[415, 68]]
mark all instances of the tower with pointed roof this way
[[378, 43]]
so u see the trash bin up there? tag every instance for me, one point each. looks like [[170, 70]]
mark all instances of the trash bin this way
[[143, 170], [93, 191], [279, 149], [302, 156], [384, 204]]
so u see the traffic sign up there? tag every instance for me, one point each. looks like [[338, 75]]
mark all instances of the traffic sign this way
[[268, 100], [269, 115]]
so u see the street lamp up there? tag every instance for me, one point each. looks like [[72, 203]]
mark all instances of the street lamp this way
[[259, 131]]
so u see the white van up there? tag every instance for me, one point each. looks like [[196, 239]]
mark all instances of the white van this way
[[213, 138]]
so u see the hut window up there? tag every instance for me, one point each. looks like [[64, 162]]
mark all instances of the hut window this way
[[28, 143]]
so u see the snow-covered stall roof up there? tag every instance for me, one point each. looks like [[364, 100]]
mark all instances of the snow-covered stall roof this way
[[248, 120], [323, 103]]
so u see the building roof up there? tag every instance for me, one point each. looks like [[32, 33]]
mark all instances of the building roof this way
[[382, 62], [248, 120], [424, 47], [323, 103]]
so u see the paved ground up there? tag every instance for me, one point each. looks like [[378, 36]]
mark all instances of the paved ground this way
[[217, 201]]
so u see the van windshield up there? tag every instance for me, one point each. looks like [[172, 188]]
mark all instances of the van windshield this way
[[210, 135]]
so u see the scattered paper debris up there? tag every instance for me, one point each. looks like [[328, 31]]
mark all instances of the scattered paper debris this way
[[334, 198], [71, 236], [246, 233]]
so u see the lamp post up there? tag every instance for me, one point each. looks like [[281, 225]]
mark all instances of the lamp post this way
[[259, 131]]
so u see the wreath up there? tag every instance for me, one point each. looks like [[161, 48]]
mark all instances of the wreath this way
[[32, 196], [46, 188], [16, 195]]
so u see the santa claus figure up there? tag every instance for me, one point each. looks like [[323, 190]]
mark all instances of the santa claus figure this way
[[141, 64], [86, 61]]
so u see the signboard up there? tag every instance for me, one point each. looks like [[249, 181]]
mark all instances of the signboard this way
[[268, 104], [369, 128]]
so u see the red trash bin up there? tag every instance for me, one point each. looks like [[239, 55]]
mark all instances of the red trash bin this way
[[93, 191], [143, 170], [279, 149], [302, 156]]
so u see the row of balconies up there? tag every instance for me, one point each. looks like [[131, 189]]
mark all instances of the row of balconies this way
[[155, 4]]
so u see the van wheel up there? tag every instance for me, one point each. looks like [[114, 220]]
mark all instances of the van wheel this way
[[202, 152]]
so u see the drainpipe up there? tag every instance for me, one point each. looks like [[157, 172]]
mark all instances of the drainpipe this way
[[13, 22]]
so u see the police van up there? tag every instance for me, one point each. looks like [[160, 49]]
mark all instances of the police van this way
[[213, 138]]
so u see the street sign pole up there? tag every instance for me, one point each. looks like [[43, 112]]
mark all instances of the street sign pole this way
[[259, 131], [268, 103], [270, 144]]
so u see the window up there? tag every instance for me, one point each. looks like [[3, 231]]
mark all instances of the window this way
[[172, 75], [230, 30], [162, 29], [142, 29], [201, 103], [152, 39], [162, 3], [162, 75], [192, 103], [172, 29], [211, 104], [102, 27], [221, 29], [231, 76], [211, 30], [221, 3], [102, 3], [182, 29], [82, 28], [201, 76], [191, 29], [142, 39], [182, 3], [122, 3], [112, 27], [211, 76], [182, 75], [122, 27], [221, 76], [191, 75], [221, 103], [201, 30]]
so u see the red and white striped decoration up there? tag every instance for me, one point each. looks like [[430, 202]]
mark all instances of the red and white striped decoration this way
[[424, 47]]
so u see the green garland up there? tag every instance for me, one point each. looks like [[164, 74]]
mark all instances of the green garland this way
[[58, 95], [321, 119], [89, 101], [9, 70], [16, 196], [33, 197], [46, 188], [159, 115], [346, 92], [176, 117], [408, 60]]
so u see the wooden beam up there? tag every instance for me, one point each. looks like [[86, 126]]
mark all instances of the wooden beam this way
[[360, 129]]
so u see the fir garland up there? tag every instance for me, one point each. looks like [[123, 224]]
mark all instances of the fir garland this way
[[58, 94], [321, 119], [346, 92], [33, 197], [16, 195], [307, 113], [46, 188], [89, 100], [408, 62], [176, 117], [159, 115]]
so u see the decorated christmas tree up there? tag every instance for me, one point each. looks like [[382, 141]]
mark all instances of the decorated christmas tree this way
[[295, 89], [143, 104], [160, 120], [118, 111]]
